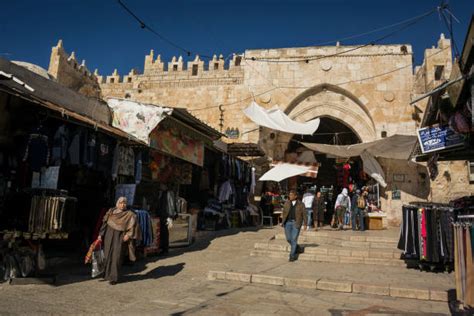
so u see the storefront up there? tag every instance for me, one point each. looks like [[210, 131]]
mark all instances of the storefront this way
[[59, 165]]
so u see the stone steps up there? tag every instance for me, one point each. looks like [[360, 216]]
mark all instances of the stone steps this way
[[365, 242], [332, 251], [320, 284], [333, 258]]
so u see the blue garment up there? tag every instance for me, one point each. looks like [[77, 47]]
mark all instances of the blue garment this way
[[146, 227], [292, 232], [358, 213], [309, 212]]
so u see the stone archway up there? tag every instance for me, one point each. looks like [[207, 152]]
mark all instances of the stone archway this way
[[326, 100]]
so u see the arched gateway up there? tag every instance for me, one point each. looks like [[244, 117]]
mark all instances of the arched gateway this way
[[339, 109]]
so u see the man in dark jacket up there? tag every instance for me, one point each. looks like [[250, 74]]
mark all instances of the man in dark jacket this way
[[294, 214]]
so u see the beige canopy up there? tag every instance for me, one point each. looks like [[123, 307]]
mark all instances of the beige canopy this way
[[395, 147]]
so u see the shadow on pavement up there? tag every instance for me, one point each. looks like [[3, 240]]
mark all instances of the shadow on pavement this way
[[156, 273]]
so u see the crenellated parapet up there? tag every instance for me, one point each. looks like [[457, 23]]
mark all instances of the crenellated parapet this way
[[194, 68], [66, 70]]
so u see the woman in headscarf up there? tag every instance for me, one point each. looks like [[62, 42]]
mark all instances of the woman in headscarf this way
[[119, 229]]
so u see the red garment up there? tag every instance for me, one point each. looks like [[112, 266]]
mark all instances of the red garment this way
[[424, 234], [345, 175]]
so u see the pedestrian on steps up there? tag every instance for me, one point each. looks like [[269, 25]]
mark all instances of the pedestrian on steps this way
[[294, 215]]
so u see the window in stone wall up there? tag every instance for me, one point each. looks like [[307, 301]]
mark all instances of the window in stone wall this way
[[195, 70], [175, 67], [216, 66], [129, 79], [439, 70], [238, 60], [112, 80]]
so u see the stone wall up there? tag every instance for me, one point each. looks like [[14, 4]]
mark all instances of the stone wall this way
[[67, 71], [369, 89]]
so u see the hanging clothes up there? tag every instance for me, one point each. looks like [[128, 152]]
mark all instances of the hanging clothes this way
[[37, 151]]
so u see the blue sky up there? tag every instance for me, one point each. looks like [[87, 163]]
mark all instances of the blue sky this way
[[103, 34]]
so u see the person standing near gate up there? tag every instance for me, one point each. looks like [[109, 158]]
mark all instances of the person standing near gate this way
[[294, 215], [308, 199], [343, 204], [358, 206], [319, 208]]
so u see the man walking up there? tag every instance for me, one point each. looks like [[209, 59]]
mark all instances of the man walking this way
[[294, 214]]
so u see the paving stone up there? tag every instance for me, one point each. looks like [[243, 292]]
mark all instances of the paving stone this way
[[351, 260], [324, 258], [335, 286], [358, 238], [383, 245], [240, 277], [301, 283], [216, 275], [360, 253], [410, 293], [381, 254], [371, 289], [267, 279], [339, 252], [441, 296]]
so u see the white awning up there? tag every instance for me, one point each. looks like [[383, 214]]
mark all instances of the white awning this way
[[284, 170], [137, 119], [276, 119], [395, 147]]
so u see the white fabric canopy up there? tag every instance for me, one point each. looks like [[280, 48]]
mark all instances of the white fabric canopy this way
[[283, 171], [373, 168], [137, 119], [395, 147], [276, 119]]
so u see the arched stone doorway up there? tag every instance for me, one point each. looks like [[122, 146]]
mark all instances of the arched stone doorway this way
[[332, 102]]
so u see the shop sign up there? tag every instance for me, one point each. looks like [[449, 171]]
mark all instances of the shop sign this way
[[174, 142], [438, 138]]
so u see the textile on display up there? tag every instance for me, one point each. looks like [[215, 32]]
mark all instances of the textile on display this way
[[126, 190], [463, 262], [277, 119], [177, 143], [146, 227], [137, 119], [51, 214], [46, 179]]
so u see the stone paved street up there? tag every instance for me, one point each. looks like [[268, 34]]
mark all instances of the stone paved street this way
[[178, 285]]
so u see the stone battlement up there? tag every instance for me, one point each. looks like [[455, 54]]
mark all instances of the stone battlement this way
[[178, 69], [68, 72]]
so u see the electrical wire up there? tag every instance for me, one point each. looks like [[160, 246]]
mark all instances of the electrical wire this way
[[413, 21], [369, 32], [143, 25]]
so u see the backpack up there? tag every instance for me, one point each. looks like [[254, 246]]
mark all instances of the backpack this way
[[360, 202]]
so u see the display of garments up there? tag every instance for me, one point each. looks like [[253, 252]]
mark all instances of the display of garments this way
[[49, 214], [463, 263], [37, 151], [426, 233], [74, 150], [144, 221], [126, 161], [225, 191], [60, 145]]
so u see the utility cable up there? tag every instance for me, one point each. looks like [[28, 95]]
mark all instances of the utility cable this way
[[143, 25], [317, 57]]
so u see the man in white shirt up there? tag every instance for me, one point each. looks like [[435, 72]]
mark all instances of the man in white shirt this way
[[307, 200]]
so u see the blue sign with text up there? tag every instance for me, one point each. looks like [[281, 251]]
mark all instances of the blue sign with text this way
[[438, 138]]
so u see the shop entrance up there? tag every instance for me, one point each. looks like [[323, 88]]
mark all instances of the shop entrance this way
[[330, 132]]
